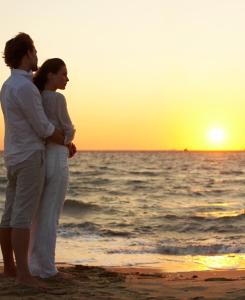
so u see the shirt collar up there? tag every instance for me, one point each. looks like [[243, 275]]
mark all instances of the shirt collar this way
[[29, 74]]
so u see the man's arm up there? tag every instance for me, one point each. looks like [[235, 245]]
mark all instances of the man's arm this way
[[30, 103]]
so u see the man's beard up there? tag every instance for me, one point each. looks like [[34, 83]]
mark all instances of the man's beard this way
[[34, 67]]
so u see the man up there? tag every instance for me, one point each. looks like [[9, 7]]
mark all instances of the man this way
[[26, 128]]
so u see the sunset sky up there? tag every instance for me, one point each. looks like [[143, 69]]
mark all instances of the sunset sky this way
[[144, 74]]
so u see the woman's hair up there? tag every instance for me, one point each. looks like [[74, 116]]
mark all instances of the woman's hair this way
[[52, 65], [16, 48]]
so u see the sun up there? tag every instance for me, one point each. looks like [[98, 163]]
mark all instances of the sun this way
[[216, 135]]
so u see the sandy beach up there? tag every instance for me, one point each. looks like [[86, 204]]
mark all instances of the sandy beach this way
[[97, 283]]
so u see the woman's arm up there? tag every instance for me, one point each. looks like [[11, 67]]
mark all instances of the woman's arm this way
[[64, 119]]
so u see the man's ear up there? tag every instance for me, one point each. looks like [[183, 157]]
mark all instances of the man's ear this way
[[29, 53], [49, 76]]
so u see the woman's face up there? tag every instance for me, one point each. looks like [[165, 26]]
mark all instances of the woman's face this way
[[59, 79]]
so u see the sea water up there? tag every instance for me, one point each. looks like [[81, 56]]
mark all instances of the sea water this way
[[153, 208]]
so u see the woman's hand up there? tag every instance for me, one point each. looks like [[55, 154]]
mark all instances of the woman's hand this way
[[72, 149]]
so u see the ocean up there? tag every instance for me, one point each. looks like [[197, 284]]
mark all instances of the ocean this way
[[153, 209]]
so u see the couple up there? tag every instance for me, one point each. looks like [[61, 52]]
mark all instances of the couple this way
[[37, 144]]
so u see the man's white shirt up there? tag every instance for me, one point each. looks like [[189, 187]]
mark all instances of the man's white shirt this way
[[26, 125]]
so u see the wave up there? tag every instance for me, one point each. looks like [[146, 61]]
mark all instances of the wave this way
[[209, 192], [117, 193], [90, 181], [197, 194], [240, 181], [213, 249], [133, 182], [109, 232], [91, 173], [145, 173], [100, 181], [212, 228], [231, 172], [206, 208], [76, 229], [199, 249], [240, 217], [106, 168], [78, 207], [202, 224], [71, 172], [69, 230], [137, 185], [85, 225], [203, 219]]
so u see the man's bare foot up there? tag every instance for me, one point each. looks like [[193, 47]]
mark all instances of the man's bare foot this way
[[9, 273], [4, 275]]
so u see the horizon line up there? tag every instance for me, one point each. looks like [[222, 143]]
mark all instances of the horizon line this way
[[156, 150]]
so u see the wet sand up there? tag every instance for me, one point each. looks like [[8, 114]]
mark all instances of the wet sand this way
[[97, 283]]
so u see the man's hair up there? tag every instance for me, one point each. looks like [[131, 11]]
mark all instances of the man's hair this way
[[16, 48]]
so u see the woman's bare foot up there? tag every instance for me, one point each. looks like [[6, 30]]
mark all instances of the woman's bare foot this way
[[61, 275], [32, 282]]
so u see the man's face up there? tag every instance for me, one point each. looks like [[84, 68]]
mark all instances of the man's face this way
[[32, 55]]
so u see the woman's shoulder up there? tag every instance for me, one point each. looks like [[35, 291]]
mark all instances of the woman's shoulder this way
[[60, 97], [53, 94]]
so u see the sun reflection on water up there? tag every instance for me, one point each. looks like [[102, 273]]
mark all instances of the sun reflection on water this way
[[221, 214], [221, 262]]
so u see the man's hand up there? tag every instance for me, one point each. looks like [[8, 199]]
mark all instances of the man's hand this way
[[72, 149]]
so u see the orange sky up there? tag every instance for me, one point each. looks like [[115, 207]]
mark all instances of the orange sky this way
[[144, 74]]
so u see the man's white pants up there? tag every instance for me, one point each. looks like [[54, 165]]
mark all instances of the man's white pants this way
[[43, 232]]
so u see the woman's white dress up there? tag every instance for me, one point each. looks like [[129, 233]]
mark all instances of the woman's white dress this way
[[43, 232]]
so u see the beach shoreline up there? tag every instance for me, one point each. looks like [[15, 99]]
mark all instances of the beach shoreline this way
[[126, 283]]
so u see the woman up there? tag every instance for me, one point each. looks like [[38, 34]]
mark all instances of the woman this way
[[51, 76]]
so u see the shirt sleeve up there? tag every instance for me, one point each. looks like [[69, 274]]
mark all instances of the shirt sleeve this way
[[30, 102], [64, 118]]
